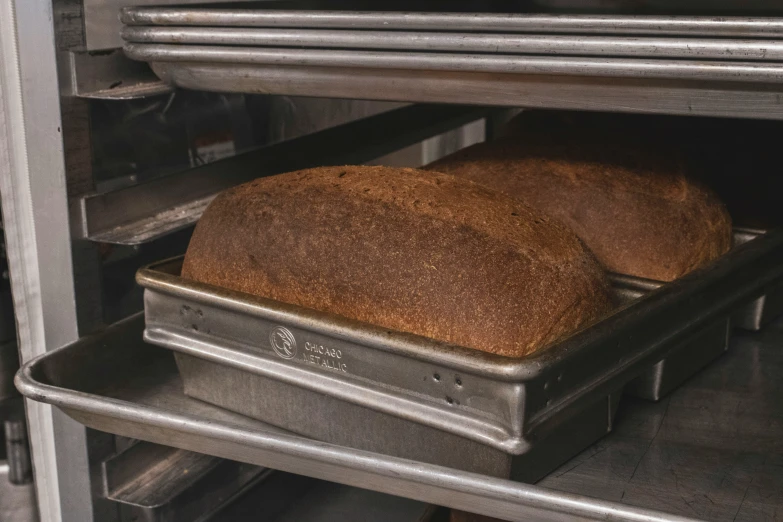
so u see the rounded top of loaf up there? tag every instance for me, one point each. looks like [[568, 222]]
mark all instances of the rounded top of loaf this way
[[627, 198], [404, 249]]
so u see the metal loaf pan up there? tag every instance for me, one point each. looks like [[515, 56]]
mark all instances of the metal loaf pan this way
[[598, 67], [689, 355], [583, 91], [704, 346], [759, 312], [363, 386]]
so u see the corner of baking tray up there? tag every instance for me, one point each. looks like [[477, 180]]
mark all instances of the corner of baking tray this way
[[159, 274], [27, 384]]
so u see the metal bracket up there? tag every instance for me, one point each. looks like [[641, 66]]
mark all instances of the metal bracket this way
[[109, 75]]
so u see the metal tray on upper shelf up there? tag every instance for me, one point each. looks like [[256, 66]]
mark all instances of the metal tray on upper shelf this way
[[114, 382], [704, 346], [285, 74], [761, 311], [463, 42], [302, 369], [725, 26], [714, 81]]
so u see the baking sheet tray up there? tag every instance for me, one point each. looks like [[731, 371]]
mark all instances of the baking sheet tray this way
[[725, 99], [641, 68], [724, 26], [493, 43], [464, 396], [113, 382], [760, 312]]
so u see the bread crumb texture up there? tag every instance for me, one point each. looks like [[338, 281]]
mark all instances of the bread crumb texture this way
[[405, 249]]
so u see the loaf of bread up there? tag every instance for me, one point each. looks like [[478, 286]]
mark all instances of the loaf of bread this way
[[627, 198], [404, 249]]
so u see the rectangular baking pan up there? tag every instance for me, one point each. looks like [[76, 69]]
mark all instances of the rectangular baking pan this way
[[114, 382], [761, 311], [724, 99], [573, 66], [359, 385], [690, 355]]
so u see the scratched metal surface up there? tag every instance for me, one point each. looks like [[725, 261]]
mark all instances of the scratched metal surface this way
[[712, 450]]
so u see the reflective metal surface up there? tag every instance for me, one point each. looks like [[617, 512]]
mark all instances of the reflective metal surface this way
[[738, 50], [737, 27], [102, 24], [750, 72], [690, 355], [109, 75], [710, 450], [727, 99], [116, 383]]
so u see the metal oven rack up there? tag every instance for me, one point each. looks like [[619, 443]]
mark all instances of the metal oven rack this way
[[57, 58]]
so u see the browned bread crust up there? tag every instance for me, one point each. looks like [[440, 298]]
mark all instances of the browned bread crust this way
[[405, 249], [628, 200]]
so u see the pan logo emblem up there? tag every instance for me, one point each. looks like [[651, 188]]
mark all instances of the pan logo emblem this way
[[283, 342]]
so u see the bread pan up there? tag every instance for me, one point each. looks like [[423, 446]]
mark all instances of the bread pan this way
[[116, 383], [689, 355], [359, 385], [702, 347], [759, 312]]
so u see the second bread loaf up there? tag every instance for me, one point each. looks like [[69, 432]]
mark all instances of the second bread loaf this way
[[628, 200]]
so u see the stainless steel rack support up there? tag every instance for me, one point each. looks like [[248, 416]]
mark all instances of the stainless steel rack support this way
[[35, 212]]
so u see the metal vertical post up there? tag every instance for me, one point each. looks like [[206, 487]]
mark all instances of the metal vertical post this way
[[35, 210]]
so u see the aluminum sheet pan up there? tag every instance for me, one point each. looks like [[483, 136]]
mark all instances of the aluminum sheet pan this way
[[311, 414], [735, 27], [691, 70], [738, 100], [115, 383], [502, 403], [318, 416], [737, 50]]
